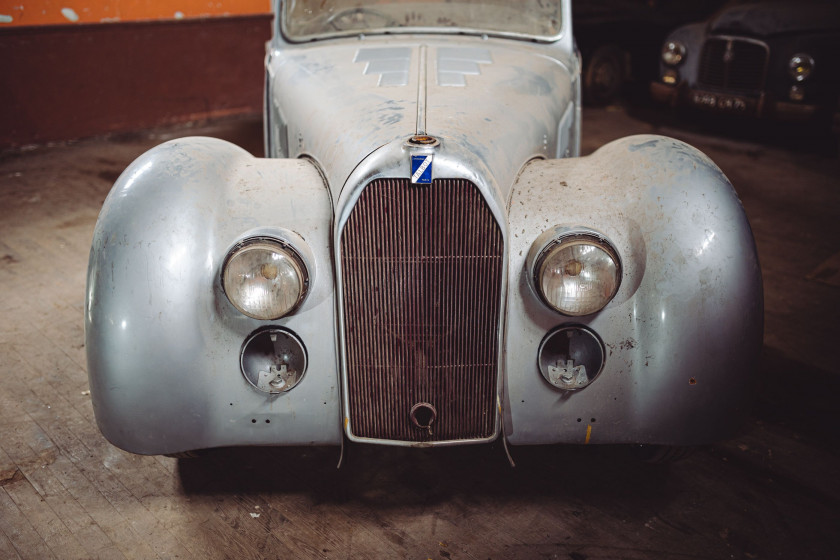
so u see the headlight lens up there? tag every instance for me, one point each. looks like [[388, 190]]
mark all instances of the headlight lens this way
[[673, 53], [800, 66], [577, 274], [264, 278]]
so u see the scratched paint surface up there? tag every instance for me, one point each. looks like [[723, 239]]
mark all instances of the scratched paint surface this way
[[56, 12]]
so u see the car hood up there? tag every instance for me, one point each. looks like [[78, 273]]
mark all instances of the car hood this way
[[763, 19], [341, 100]]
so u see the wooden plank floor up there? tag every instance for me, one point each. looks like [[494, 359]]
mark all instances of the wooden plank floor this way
[[774, 492]]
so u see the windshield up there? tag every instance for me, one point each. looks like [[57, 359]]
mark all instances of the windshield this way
[[314, 19]]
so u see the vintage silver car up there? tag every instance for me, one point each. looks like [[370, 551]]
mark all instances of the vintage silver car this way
[[423, 259]]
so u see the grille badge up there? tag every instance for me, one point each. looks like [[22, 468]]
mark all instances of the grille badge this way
[[729, 54], [421, 169], [422, 148]]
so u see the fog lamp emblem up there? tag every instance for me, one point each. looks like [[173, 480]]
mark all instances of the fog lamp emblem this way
[[276, 380], [567, 375], [273, 360], [571, 357]]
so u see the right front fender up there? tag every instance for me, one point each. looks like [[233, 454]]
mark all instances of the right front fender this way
[[683, 332]]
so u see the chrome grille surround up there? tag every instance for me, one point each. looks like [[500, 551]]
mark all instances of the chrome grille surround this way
[[421, 278], [734, 64]]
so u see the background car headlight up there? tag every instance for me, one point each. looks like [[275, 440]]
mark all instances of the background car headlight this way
[[577, 274], [264, 278], [800, 66], [673, 53]]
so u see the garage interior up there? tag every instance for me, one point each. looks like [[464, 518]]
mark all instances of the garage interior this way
[[83, 99]]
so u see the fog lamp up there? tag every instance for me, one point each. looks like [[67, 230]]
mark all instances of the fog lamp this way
[[571, 357], [577, 273], [273, 360], [800, 66], [673, 53], [264, 278], [796, 93], [669, 77]]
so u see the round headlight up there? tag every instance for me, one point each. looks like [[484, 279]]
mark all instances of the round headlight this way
[[673, 53], [571, 357], [264, 278], [577, 274], [800, 66]]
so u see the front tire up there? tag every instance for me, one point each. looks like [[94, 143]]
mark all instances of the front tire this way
[[603, 75]]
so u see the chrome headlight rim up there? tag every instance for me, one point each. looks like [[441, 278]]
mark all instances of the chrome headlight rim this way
[[295, 257], [673, 53], [804, 61], [565, 238]]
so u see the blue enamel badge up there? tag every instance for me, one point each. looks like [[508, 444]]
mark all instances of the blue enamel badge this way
[[421, 169]]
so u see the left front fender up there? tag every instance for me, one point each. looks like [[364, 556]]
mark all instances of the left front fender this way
[[163, 341]]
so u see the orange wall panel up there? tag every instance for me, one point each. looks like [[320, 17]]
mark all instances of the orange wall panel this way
[[71, 81], [17, 13]]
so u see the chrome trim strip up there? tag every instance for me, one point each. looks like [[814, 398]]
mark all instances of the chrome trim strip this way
[[423, 31], [739, 38], [421, 90]]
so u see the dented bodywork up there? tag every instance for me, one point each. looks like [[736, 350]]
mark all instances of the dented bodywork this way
[[394, 159]]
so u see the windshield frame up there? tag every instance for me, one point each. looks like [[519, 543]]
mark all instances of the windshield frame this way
[[280, 22]]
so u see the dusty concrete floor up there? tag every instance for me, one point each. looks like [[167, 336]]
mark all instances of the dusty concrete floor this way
[[772, 492]]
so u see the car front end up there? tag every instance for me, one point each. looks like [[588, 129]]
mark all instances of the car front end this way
[[773, 59], [422, 261]]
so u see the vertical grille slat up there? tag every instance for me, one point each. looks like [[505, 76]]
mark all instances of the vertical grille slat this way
[[422, 278]]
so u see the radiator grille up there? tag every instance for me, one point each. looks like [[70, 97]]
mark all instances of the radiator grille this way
[[421, 279], [733, 65]]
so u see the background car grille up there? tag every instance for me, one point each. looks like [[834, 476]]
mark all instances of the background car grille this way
[[421, 278], [742, 70]]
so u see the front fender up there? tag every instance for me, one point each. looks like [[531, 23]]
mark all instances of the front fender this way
[[685, 328], [163, 341]]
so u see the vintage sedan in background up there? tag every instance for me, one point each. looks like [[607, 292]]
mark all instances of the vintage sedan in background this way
[[619, 39], [758, 58], [423, 259]]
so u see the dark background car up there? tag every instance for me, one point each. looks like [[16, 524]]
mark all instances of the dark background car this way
[[619, 41], [775, 59]]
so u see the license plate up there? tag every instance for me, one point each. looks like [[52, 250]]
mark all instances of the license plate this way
[[720, 102]]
